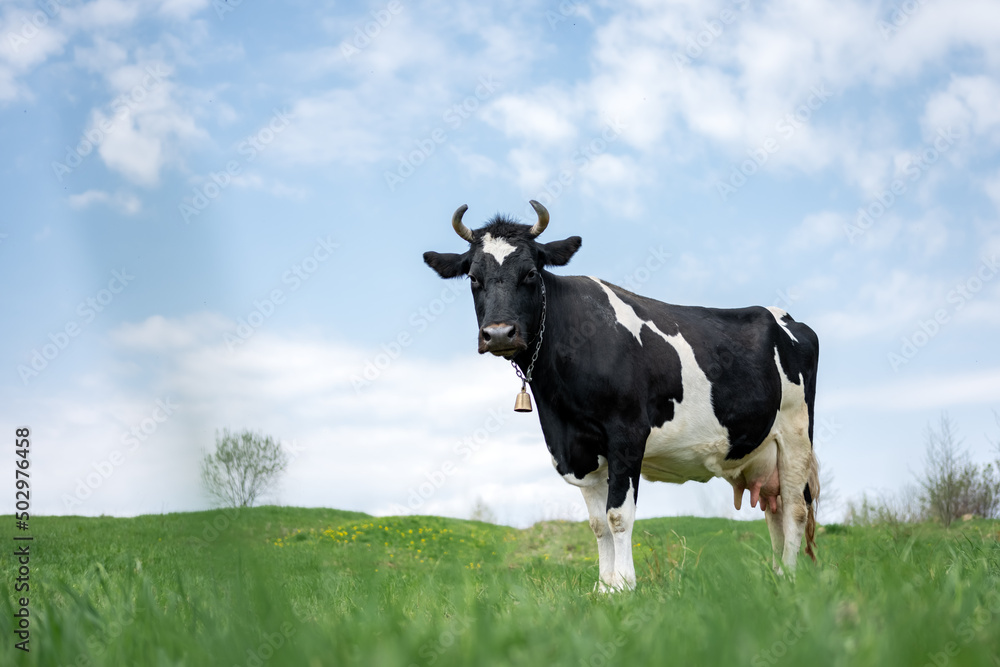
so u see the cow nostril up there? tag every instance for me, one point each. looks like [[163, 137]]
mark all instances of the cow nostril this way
[[510, 333], [486, 336]]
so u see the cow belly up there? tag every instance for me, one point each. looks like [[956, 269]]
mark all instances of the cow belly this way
[[671, 457]]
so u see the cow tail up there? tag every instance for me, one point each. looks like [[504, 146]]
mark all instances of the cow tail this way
[[812, 502]]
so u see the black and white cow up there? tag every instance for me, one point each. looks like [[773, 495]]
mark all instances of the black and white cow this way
[[628, 386]]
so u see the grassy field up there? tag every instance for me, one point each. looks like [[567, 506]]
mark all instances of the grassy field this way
[[288, 586]]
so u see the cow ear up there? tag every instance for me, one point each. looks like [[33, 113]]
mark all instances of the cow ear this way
[[558, 253], [448, 264]]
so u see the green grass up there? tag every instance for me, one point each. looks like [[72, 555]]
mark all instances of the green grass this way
[[288, 586]]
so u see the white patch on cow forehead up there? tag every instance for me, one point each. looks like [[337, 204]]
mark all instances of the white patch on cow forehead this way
[[498, 247], [779, 315]]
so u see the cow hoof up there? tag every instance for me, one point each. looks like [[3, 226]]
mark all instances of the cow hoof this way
[[617, 585]]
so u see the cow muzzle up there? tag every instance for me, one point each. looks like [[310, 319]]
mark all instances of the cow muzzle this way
[[502, 340]]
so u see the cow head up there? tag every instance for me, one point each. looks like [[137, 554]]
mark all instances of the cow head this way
[[505, 265]]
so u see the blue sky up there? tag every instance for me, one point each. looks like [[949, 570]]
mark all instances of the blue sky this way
[[214, 216]]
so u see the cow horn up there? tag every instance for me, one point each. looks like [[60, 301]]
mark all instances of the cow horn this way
[[460, 229], [543, 219]]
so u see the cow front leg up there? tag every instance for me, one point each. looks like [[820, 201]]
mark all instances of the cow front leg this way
[[622, 491], [595, 495]]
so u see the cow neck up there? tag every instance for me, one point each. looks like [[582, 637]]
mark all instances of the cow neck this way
[[526, 378]]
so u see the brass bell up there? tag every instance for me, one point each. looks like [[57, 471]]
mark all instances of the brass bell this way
[[523, 401]]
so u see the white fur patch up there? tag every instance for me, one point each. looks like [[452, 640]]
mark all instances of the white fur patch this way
[[590, 478], [693, 444], [779, 315], [498, 247], [624, 313]]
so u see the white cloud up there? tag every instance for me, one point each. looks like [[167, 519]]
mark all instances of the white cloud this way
[[816, 231], [182, 9], [102, 14], [103, 56], [338, 127], [474, 164], [543, 118], [679, 74], [929, 392], [123, 202], [883, 306], [29, 38], [158, 334], [145, 126], [396, 87], [970, 104], [255, 181], [991, 186]]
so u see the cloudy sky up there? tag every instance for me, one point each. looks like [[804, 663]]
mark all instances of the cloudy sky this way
[[214, 214]]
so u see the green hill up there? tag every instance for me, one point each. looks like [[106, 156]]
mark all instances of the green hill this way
[[292, 586]]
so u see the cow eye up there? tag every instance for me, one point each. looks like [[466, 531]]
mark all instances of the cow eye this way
[[530, 275], [475, 280]]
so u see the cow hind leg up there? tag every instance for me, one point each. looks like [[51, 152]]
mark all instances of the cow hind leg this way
[[777, 531], [595, 495], [796, 467], [811, 495]]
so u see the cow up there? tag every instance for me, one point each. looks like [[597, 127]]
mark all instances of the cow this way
[[627, 386]]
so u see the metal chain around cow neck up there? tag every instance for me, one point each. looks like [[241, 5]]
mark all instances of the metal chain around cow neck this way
[[523, 401]]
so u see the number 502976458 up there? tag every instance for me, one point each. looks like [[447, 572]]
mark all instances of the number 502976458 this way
[[22, 443]]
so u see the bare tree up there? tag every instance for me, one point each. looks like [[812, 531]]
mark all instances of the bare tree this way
[[952, 485], [244, 467], [482, 512]]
